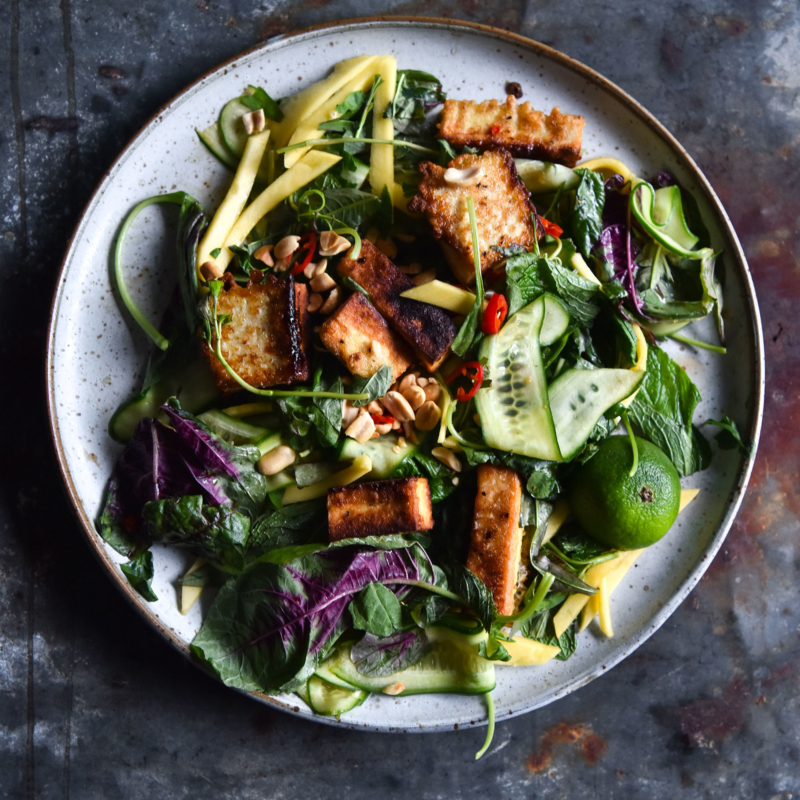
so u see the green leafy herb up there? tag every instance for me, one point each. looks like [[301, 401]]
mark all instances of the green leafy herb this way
[[587, 213], [473, 590], [540, 476], [470, 331], [216, 533], [377, 610], [354, 286], [663, 410], [215, 252], [379, 657], [374, 387], [139, 572], [729, 437], [415, 93], [260, 99]]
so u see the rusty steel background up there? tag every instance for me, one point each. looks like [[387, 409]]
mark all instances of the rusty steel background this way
[[93, 704]]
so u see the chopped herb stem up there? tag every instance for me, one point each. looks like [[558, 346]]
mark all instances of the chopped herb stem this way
[[357, 140], [633, 445], [678, 337], [267, 392], [489, 727], [530, 609], [431, 587], [174, 198]]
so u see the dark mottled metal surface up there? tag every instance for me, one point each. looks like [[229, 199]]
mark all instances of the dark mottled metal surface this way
[[93, 704]]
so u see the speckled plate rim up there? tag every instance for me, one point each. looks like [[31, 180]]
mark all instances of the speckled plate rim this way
[[734, 256]]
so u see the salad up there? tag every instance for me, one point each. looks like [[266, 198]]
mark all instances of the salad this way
[[407, 408]]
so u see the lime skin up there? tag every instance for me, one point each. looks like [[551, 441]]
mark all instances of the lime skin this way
[[620, 511]]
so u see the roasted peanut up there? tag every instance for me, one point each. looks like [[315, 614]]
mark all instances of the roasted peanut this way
[[321, 283], [286, 247], [362, 428], [314, 302], [415, 396], [331, 244], [264, 255], [332, 303], [428, 416], [275, 460], [424, 277], [398, 407], [447, 457], [210, 271], [433, 390]]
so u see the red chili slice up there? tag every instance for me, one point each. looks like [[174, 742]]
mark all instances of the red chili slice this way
[[308, 241], [382, 419], [495, 314], [551, 229], [472, 371], [495, 130]]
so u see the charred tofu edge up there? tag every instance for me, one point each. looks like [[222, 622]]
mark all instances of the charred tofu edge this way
[[496, 541], [502, 206], [428, 329], [352, 332], [288, 302], [521, 129], [379, 508]]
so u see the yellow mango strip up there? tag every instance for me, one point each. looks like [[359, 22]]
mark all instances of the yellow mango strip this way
[[589, 613], [308, 127], [191, 594], [236, 198], [687, 495], [557, 519], [304, 171], [604, 609], [611, 166], [641, 362], [298, 106], [381, 159], [583, 269], [358, 469], [569, 611], [441, 294], [528, 653], [248, 409]]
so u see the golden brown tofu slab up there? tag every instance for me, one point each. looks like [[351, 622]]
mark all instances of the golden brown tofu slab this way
[[360, 338], [268, 336], [428, 329], [502, 210], [379, 508], [494, 550], [520, 129]]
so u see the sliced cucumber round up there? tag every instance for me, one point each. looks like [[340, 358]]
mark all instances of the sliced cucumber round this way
[[329, 700], [540, 177], [233, 429], [386, 454], [231, 127], [212, 139], [514, 410], [450, 665], [556, 320], [580, 396], [195, 389]]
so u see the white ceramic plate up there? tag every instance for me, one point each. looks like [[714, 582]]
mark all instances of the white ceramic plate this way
[[97, 355]]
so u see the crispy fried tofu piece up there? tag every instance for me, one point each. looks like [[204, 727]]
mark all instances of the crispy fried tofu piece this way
[[494, 550], [520, 129], [360, 338], [428, 329], [379, 508], [269, 334], [502, 210]]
